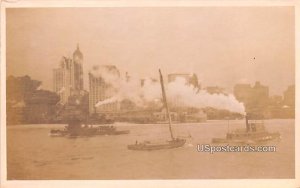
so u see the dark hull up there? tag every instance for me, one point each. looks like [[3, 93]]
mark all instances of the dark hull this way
[[149, 147], [251, 138], [85, 133]]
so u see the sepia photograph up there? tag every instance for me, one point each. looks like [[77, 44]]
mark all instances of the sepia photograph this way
[[149, 93]]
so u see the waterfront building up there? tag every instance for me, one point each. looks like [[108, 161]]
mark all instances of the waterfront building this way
[[102, 89], [255, 99], [260, 94], [289, 102], [215, 90], [289, 96], [242, 93]]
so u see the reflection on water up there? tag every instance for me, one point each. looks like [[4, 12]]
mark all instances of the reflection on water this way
[[32, 154]]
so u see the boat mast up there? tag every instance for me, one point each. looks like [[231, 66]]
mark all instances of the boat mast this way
[[165, 102]]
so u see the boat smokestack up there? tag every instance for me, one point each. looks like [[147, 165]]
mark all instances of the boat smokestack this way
[[247, 122]]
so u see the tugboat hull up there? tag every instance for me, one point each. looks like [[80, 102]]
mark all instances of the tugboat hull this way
[[255, 132], [251, 138]]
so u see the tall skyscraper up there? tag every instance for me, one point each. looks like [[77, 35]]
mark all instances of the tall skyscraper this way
[[77, 70], [68, 78]]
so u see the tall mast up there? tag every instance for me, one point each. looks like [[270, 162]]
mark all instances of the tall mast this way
[[165, 102]]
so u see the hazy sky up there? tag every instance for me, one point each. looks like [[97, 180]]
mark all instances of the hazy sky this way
[[218, 44]]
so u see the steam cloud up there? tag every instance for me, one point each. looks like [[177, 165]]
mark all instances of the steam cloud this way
[[177, 90]]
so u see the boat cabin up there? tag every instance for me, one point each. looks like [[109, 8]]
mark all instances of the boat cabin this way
[[254, 127]]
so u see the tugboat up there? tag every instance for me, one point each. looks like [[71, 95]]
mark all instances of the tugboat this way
[[173, 143], [255, 132], [81, 125]]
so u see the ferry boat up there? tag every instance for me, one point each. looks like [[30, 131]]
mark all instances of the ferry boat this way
[[75, 129]]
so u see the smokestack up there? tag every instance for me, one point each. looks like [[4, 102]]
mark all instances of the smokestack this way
[[247, 123], [127, 77]]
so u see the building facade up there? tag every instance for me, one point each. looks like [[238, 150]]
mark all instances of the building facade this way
[[68, 78], [255, 98], [289, 96], [215, 90], [102, 89]]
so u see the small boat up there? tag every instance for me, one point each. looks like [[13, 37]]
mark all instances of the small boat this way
[[255, 132], [173, 143], [58, 133]]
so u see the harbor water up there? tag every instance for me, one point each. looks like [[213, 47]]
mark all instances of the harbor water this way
[[33, 155]]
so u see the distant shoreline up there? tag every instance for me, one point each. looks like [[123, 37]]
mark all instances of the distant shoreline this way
[[130, 123]]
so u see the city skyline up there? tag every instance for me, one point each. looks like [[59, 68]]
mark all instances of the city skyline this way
[[139, 42], [179, 91]]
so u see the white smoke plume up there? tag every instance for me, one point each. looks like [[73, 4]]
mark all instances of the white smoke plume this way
[[190, 96], [107, 101], [177, 91]]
